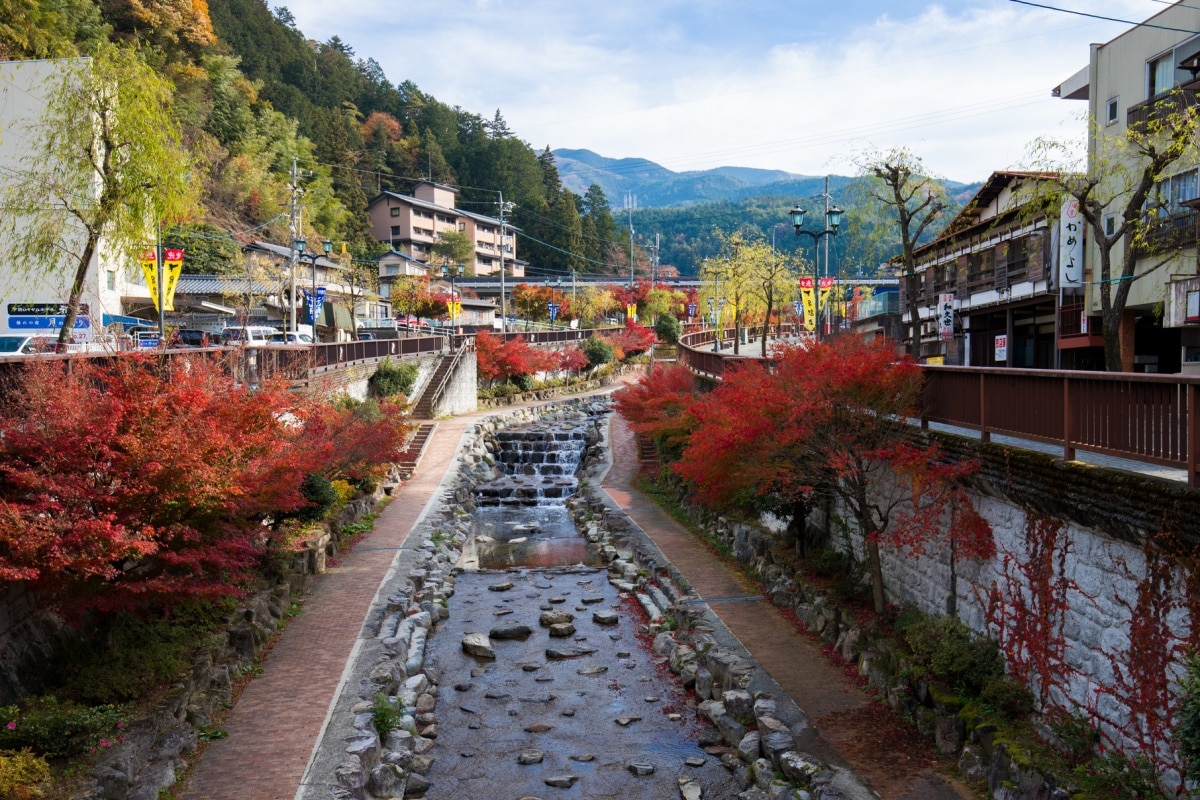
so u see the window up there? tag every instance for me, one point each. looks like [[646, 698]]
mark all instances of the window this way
[[1110, 224], [1111, 114], [111, 281], [395, 211], [395, 230], [1162, 74], [462, 226]]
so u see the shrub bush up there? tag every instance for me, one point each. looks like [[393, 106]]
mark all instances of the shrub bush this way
[[55, 729], [22, 775], [387, 713], [391, 379], [1113, 776], [1008, 697], [1187, 732], [954, 655], [319, 492], [668, 328], [598, 351]]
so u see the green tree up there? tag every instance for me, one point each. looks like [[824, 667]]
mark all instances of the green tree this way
[[1118, 197], [454, 247], [106, 164]]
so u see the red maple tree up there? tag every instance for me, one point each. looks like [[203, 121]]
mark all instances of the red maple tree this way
[[832, 417], [658, 406], [130, 484]]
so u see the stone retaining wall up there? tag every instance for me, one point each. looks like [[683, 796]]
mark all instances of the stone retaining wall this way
[[158, 742]]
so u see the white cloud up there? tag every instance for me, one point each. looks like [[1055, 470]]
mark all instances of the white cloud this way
[[680, 84]]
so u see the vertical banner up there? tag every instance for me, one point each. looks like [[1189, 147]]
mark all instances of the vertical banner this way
[[631, 312], [148, 258], [1070, 244], [946, 317], [314, 303], [173, 263], [825, 285], [1001, 348], [808, 298]]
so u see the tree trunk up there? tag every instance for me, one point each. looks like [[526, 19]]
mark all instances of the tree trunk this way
[[875, 565], [81, 270]]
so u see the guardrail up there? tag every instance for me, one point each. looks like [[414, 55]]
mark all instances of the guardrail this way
[[1153, 419], [1148, 418]]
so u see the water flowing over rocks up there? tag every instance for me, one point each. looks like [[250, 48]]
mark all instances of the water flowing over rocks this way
[[524, 713]]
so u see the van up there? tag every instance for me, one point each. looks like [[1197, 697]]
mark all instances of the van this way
[[248, 334]]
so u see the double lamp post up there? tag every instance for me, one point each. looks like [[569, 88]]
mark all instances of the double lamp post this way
[[300, 245]]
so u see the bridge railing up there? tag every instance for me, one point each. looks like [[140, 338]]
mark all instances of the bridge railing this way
[[1154, 419], [1149, 418]]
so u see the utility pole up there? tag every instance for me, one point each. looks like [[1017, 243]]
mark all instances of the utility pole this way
[[654, 263], [503, 299], [629, 202], [292, 249]]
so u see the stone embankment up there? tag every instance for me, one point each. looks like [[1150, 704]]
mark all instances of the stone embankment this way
[[752, 732], [955, 729]]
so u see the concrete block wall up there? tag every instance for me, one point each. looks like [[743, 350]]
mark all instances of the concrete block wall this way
[[461, 396]]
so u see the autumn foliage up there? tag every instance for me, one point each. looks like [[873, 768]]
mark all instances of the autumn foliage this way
[[830, 417], [129, 484], [503, 360], [631, 340]]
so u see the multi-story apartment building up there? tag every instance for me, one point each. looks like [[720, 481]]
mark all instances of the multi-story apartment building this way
[[412, 223], [988, 284], [1126, 84]]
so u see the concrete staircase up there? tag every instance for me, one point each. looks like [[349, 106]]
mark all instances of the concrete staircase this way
[[427, 401]]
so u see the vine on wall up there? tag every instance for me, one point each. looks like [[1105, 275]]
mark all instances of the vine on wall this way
[[1027, 610]]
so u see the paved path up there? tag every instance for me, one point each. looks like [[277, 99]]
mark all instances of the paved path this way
[[792, 660], [281, 714]]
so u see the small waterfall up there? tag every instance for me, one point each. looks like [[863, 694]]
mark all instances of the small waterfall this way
[[539, 464]]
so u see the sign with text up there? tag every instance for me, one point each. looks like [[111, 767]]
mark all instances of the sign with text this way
[[314, 302], [809, 301], [43, 309], [1070, 244], [1002, 348], [946, 317], [46, 322]]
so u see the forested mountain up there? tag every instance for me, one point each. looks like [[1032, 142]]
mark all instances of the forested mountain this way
[[251, 93], [654, 185]]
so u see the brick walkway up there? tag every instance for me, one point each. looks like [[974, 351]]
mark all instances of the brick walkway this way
[[280, 716], [791, 659]]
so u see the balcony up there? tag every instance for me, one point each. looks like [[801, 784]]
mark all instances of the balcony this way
[[1158, 108], [1168, 233]]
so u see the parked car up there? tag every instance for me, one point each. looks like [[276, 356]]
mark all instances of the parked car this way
[[291, 337], [191, 337], [248, 334], [24, 345], [365, 335]]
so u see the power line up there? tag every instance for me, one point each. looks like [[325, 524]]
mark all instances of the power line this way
[[1106, 19]]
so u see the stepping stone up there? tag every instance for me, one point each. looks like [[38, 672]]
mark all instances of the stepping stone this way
[[595, 669], [558, 654], [586, 758], [651, 699], [561, 630], [695, 761], [549, 618], [538, 727], [562, 781], [468, 710], [463, 687], [510, 631], [531, 667], [570, 712], [545, 679], [477, 644], [501, 587], [603, 617], [478, 672], [502, 612], [494, 695], [625, 722], [539, 698], [587, 601], [641, 769], [623, 654], [467, 754], [689, 789], [528, 757], [557, 600]]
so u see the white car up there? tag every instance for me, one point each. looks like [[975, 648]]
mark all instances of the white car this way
[[291, 337], [24, 345]]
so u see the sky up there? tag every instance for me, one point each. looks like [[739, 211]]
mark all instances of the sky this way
[[795, 85]]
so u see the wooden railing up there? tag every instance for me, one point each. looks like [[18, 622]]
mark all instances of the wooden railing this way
[[1147, 418], [1152, 419]]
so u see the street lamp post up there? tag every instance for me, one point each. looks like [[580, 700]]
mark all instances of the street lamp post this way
[[327, 247], [715, 309], [833, 218]]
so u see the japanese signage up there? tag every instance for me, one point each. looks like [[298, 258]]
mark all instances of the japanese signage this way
[[43, 309], [691, 310], [172, 266], [1070, 244], [946, 317], [826, 286], [1001, 348], [809, 301], [148, 258], [314, 303]]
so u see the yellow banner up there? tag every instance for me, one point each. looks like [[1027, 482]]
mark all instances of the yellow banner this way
[[810, 305], [455, 308], [149, 261], [173, 262], [826, 286], [631, 311]]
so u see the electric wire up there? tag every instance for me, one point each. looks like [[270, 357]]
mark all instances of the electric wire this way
[[1106, 19]]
